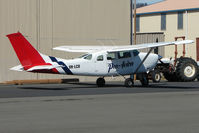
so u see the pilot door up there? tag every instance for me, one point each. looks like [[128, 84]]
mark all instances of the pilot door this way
[[100, 65]]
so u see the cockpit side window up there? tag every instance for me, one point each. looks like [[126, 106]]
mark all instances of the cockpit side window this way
[[135, 52], [124, 54], [111, 56], [88, 57], [82, 56], [100, 58]]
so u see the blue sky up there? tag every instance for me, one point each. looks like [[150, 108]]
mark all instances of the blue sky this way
[[149, 1]]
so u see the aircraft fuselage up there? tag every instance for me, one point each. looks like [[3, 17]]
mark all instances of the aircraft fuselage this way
[[106, 64]]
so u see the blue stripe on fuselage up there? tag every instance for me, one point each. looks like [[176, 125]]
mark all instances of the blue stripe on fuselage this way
[[65, 68]]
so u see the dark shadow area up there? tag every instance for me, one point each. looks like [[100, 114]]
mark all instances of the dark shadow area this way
[[71, 86], [44, 88], [165, 87]]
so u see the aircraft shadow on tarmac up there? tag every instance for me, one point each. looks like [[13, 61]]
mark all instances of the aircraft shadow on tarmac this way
[[71, 86]]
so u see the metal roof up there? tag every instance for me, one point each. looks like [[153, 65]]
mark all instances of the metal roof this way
[[169, 6]]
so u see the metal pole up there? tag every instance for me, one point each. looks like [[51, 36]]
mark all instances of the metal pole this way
[[134, 22], [131, 22], [187, 26], [38, 27]]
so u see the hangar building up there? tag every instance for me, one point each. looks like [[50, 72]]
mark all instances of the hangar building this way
[[174, 18], [50, 23]]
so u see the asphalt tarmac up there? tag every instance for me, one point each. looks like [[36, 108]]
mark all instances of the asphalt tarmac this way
[[40, 90], [84, 108]]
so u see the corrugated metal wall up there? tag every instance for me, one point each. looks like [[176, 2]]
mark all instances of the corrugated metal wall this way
[[151, 38], [50, 23], [16, 15]]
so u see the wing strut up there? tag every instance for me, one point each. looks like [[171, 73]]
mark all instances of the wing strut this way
[[143, 60]]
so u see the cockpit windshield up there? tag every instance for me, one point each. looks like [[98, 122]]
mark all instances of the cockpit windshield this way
[[83, 56], [86, 56]]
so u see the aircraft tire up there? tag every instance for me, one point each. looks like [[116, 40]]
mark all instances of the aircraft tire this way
[[100, 82], [156, 76], [129, 82], [186, 70]]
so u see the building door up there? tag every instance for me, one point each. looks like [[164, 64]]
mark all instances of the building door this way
[[197, 49], [151, 38]]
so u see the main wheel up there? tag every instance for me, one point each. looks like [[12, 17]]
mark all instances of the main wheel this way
[[156, 76], [100, 82], [129, 82], [186, 70]]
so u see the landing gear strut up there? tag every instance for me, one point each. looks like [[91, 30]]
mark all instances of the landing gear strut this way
[[100, 82]]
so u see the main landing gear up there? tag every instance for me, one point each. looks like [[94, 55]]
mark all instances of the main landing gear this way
[[129, 82], [100, 82]]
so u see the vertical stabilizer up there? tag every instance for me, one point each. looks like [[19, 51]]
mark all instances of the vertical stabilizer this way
[[26, 53]]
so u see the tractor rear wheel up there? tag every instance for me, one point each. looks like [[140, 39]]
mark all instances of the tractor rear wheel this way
[[186, 70]]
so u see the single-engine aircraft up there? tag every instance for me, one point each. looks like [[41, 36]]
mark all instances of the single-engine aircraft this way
[[101, 61]]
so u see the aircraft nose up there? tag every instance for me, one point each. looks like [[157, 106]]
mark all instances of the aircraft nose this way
[[156, 58], [153, 60]]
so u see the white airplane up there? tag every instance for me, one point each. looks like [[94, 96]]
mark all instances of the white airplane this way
[[101, 61]]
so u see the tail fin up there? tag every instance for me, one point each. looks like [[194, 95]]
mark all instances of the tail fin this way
[[26, 53]]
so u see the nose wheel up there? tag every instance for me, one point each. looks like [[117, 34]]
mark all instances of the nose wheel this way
[[100, 82]]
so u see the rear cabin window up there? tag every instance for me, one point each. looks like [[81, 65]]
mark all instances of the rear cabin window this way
[[100, 58], [111, 56], [125, 54]]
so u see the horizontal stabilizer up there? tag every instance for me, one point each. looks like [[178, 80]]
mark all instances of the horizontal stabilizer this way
[[17, 68], [46, 66], [43, 67]]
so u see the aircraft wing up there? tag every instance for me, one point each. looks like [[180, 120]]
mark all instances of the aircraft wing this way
[[89, 49], [149, 45], [82, 49]]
